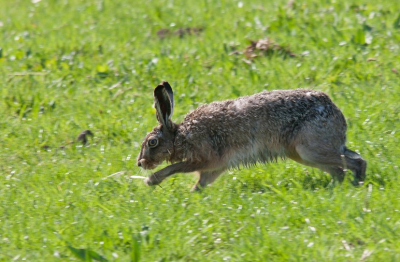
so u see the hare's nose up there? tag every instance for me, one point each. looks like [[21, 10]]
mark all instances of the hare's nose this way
[[139, 163]]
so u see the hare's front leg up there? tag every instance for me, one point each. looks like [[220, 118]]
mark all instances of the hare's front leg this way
[[182, 167], [206, 177]]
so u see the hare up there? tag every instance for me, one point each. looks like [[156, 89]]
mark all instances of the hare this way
[[300, 124]]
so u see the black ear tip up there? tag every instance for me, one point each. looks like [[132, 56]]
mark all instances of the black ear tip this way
[[166, 85], [163, 84]]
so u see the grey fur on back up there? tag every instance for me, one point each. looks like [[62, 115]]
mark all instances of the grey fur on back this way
[[304, 125], [254, 128]]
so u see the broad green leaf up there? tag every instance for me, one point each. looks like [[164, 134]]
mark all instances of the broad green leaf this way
[[86, 254], [359, 37], [396, 23], [135, 248]]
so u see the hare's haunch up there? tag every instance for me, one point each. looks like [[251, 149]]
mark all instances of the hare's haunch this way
[[304, 125]]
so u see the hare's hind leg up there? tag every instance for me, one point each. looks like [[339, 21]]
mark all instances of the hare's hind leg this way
[[332, 160], [356, 164], [206, 177]]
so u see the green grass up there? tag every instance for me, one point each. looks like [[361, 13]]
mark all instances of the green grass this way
[[67, 66]]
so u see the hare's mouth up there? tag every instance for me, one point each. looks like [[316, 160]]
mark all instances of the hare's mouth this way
[[146, 165]]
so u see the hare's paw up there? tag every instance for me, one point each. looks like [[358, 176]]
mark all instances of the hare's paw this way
[[152, 180]]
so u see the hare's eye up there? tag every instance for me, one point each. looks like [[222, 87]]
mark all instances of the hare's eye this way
[[153, 142]]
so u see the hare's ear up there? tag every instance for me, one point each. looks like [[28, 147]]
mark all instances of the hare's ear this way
[[164, 104]]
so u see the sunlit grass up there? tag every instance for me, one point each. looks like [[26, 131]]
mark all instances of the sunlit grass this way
[[68, 66]]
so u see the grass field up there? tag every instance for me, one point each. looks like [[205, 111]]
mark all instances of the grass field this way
[[68, 66]]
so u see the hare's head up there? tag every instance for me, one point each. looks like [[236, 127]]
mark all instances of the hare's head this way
[[158, 145]]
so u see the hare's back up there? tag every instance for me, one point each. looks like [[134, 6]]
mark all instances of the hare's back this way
[[279, 106], [297, 104], [272, 113]]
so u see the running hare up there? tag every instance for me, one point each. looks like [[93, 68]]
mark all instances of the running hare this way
[[304, 125]]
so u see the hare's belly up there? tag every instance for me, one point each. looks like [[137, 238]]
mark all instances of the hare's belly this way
[[253, 154]]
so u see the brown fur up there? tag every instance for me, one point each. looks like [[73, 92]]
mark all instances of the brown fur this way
[[304, 125]]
